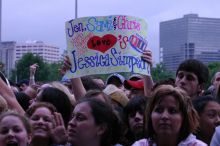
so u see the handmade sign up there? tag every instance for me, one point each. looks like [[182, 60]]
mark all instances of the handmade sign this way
[[101, 45]]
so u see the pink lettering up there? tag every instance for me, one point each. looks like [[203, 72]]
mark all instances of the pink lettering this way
[[124, 23], [80, 42]]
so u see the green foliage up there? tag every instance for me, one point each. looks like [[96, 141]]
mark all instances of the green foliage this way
[[54, 74], [213, 68], [160, 73], [45, 72]]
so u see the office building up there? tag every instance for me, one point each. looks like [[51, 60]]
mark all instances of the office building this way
[[7, 56], [49, 53], [189, 37], [11, 52]]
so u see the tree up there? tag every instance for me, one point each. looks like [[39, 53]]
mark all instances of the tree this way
[[2, 66], [54, 73], [213, 68], [160, 73], [46, 72]]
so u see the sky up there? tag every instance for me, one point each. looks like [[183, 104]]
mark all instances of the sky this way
[[44, 20]]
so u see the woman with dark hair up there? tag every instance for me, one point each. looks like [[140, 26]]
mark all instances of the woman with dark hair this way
[[98, 94], [134, 118], [15, 130], [209, 112], [93, 123], [170, 119], [58, 99]]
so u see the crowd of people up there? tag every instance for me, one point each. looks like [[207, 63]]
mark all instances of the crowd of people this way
[[119, 111]]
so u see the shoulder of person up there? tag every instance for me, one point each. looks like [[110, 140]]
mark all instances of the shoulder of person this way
[[217, 130], [216, 137], [192, 141], [141, 142]]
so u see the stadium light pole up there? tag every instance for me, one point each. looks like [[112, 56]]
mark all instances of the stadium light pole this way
[[76, 8]]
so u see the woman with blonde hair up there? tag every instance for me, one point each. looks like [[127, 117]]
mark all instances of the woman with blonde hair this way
[[170, 119]]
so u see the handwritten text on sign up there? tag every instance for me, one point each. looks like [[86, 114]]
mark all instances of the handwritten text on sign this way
[[100, 45]]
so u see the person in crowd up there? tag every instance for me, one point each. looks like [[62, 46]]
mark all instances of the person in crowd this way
[[23, 99], [32, 71], [63, 88], [31, 90], [132, 87], [98, 95], [118, 97], [115, 79], [92, 82], [4, 79], [148, 81], [58, 99], [170, 119], [14, 86], [66, 82], [134, 118], [55, 84], [8, 95], [93, 123], [136, 88], [99, 81], [216, 79], [169, 81], [47, 125], [208, 109], [15, 130], [135, 77], [191, 76], [218, 93], [23, 84], [213, 89]]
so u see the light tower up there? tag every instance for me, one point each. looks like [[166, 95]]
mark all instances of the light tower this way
[[76, 9]]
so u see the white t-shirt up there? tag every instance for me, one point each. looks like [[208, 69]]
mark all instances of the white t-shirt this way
[[189, 141]]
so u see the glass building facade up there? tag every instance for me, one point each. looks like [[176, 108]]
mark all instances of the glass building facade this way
[[189, 37]]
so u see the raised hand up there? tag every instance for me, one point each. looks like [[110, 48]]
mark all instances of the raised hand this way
[[33, 69], [66, 65], [147, 56], [59, 134]]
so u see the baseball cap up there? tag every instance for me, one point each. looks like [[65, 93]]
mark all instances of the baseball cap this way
[[129, 84], [116, 94], [135, 77], [113, 76]]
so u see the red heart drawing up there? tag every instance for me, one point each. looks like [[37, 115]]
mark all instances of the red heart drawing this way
[[102, 44]]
